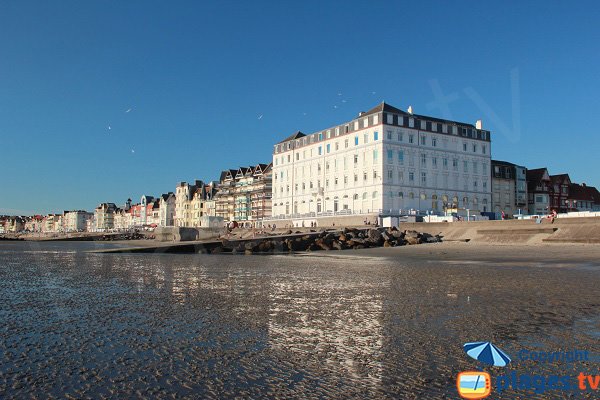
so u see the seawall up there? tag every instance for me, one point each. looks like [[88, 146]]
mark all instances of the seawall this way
[[563, 230]]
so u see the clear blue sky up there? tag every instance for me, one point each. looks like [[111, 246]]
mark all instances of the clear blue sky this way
[[198, 75]]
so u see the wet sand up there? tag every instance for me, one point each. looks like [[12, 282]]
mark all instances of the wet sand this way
[[374, 323]]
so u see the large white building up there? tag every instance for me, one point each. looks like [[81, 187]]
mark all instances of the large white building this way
[[385, 161]]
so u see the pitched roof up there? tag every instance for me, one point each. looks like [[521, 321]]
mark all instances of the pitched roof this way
[[506, 163], [560, 178], [383, 106], [583, 192], [295, 135], [536, 175]]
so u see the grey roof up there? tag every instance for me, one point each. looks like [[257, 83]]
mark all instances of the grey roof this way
[[296, 135]]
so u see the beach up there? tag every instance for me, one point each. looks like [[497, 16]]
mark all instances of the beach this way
[[371, 323]]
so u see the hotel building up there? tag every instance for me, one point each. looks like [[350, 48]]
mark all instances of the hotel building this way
[[385, 161]]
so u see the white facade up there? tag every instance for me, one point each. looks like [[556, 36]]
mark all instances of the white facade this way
[[167, 210], [386, 161], [76, 221]]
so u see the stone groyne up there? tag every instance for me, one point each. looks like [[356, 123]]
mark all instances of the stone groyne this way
[[346, 239]]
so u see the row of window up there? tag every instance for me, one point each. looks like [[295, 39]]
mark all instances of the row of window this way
[[336, 146], [391, 119], [445, 199], [396, 157], [467, 183]]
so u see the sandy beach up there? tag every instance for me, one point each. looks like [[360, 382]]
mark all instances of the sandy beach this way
[[373, 323]]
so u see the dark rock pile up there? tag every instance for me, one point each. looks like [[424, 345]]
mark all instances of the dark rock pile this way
[[123, 236], [349, 238]]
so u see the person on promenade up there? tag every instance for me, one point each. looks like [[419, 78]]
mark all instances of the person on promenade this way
[[552, 216], [503, 215]]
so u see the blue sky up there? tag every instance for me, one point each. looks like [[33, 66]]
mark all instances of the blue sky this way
[[198, 75]]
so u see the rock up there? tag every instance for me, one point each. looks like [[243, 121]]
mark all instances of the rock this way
[[374, 237], [355, 241], [387, 244], [312, 247], [265, 245], [398, 234], [321, 244], [413, 234], [297, 245], [337, 245], [216, 250], [413, 240], [248, 252], [342, 237], [249, 246]]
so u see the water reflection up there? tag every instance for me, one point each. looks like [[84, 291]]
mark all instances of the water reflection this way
[[116, 325], [337, 322]]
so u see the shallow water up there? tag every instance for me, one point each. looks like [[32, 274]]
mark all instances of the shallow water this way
[[86, 325]]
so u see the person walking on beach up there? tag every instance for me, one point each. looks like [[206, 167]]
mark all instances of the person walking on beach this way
[[503, 215]]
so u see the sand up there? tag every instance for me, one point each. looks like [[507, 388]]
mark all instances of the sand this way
[[374, 323]]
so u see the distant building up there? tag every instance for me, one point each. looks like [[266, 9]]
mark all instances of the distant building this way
[[104, 216], [167, 209], [76, 221], [538, 191], [509, 188], [184, 194], [34, 223], [559, 192], [244, 195], [123, 219], [385, 161], [582, 198], [14, 224], [53, 223], [198, 205]]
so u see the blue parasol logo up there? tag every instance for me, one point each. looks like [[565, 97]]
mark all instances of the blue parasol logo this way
[[487, 353]]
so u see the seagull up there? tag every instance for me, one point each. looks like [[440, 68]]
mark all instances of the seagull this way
[[260, 116], [132, 151], [128, 110], [109, 128], [334, 106], [343, 101], [339, 94]]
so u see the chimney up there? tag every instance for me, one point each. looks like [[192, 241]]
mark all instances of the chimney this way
[[479, 124], [410, 110]]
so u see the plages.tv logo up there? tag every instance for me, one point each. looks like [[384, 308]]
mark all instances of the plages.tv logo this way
[[474, 384], [478, 384]]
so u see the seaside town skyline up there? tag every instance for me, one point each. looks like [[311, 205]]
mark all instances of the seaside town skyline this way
[[384, 163], [90, 113]]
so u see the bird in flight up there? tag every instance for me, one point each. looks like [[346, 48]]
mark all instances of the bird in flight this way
[[128, 110], [132, 151], [260, 116]]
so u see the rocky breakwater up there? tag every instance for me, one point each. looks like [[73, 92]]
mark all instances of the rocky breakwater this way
[[349, 238]]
